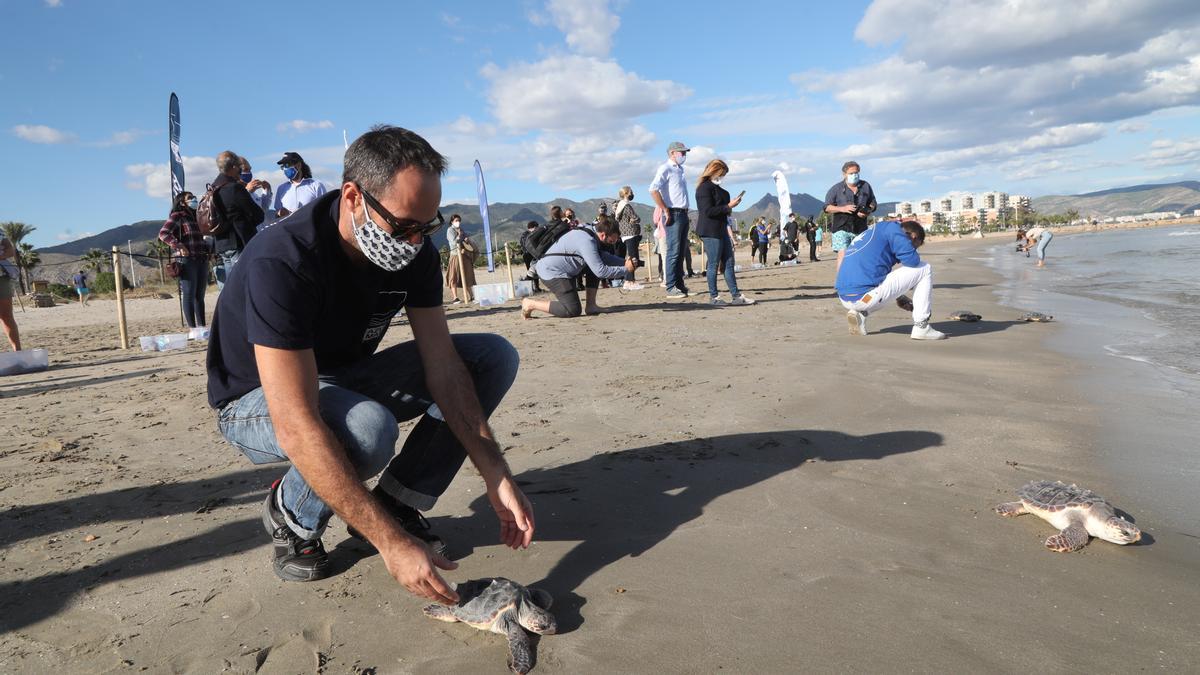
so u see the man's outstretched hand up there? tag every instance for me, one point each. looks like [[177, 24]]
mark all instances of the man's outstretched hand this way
[[416, 568], [514, 512]]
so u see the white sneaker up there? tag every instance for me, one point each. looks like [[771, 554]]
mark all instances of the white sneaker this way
[[742, 300], [857, 321], [926, 332], [632, 286]]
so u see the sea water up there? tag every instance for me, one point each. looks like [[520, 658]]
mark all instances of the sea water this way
[[1127, 303]]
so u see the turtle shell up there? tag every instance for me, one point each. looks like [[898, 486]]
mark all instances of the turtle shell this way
[[1035, 316], [480, 601], [965, 315], [1057, 495]]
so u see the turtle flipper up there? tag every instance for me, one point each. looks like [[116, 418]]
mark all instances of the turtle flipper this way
[[1073, 538], [1011, 509], [439, 612], [520, 654]]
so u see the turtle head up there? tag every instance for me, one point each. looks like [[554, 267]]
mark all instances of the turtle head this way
[[1120, 531], [534, 614]]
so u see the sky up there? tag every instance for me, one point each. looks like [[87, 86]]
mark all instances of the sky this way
[[575, 98]]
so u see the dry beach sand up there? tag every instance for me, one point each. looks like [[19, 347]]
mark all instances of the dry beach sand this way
[[740, 490]]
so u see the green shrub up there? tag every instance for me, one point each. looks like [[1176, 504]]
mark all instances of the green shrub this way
[[105, 282], [63, 291]]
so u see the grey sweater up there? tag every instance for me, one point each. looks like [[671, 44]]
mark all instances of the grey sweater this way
[[581, 250]]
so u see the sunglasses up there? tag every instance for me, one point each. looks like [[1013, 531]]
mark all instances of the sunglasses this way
[[403, 228]]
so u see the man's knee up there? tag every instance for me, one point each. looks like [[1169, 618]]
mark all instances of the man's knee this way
[[370, 432]]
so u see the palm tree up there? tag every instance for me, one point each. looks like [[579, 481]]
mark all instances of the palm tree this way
[[29, 259], [1072, 215], [159, 249], [95, 259], [15, 232]]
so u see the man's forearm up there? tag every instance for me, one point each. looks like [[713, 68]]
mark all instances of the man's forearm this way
[[321, 460], [454, 392], [658, 199]]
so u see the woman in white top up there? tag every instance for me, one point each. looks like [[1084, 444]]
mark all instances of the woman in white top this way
[[1040, 237]]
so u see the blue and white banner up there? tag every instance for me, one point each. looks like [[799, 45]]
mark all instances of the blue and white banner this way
[[484, 213], [173, 128]]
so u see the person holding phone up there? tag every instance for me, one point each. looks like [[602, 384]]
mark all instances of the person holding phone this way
[[715, 208]]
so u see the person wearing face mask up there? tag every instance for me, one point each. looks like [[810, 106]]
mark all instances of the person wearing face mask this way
[[669, 191], [296, 374], [300, 189], [455, 274], [712, 224], [237, 209], [849, 202], [630, 224], [181, 232], [260, 193]]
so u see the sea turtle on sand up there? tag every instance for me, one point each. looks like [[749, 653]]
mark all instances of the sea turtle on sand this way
[[965, 315], [505, 607], [1036, 316], [1073, 510]]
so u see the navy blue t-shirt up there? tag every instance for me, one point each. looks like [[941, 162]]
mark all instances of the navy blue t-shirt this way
[[294, 287]]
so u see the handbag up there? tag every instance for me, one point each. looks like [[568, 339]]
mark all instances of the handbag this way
[[174, 269]]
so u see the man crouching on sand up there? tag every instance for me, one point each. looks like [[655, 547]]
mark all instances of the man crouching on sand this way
[[578, 252], [293, 371], [866, 279]]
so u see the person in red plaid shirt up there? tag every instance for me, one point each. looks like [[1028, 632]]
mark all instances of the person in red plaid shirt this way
[[183, 235]]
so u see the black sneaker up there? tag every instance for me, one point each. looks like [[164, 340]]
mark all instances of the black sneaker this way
[[410, 519], [296, 559]]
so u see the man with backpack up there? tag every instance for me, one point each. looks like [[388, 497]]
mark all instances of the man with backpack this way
[[563, 254], [228, 213]]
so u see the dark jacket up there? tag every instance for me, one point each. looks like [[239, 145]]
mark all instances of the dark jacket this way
[[712, 201], [840, 195], [239, 209]]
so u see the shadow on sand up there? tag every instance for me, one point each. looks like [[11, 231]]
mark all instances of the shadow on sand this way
[[619, 504], [624, 503]]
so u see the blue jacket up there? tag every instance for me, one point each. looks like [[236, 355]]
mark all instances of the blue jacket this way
[[871, 256]]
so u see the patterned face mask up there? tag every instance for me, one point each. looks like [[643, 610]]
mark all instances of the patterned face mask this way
[[382, 249]]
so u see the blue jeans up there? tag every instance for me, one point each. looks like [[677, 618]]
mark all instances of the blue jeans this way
[[222, 269], [193, 281], [717, 250], [362, 404], [677, 237], [1043, 242]]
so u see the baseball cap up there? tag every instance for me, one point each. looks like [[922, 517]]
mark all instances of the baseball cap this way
[[677, 147], [290, 158]]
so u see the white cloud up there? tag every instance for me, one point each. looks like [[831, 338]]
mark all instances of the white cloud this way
[[574, 94], [450, 20], [302, 126], [40, 133], [122, 138], [753, 116], [1132, 127], [588, 25], [985, 33], [1172, 152], [155, 179], [54, 3], [603, 159], [68, 235]]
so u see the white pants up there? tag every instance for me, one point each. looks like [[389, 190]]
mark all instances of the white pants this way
[[901, 280]]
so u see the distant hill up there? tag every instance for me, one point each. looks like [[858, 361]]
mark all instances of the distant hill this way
[[138, 233], [1183, 197], [803, 205]]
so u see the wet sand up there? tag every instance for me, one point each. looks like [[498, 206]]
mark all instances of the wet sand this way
[[740, 489]]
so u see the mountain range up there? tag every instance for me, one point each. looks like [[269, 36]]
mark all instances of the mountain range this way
[[509, 219]]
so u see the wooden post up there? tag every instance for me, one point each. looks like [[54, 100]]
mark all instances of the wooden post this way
[[649, 267], [512, 285], [462, 275], [116, 259]]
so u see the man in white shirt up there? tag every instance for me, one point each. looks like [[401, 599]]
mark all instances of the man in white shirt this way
[[670, 193], [300, 189]]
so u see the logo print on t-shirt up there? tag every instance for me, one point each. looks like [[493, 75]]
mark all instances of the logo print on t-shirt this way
[[377, 325]]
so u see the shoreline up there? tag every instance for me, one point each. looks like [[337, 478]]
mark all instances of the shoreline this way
[[709, 485]]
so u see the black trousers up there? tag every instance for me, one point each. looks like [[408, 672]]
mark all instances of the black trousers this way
[[566, 303], [812, 250]]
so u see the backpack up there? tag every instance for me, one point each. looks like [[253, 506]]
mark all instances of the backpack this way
[[209, 216], [539, 240]]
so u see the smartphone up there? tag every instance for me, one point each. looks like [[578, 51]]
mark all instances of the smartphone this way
[[741, 194]]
